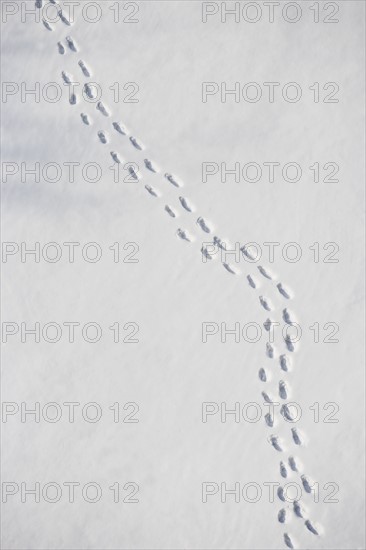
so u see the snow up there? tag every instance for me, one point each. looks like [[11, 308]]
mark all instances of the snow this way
[[170, 292]]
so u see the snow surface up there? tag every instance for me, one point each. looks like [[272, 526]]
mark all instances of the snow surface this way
[[170, 292]]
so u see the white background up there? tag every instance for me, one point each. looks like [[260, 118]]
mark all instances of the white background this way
[[170, 292]]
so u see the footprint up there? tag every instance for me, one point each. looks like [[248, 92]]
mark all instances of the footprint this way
[[103, 137], [311, 527], [137, 143], [219, 243], [63, 18], [206, 253], [266, 397], [151, 190], [268, 324], [71, 44], [61, 48], [47, 25], [85, 119], [73, 99], [296, 436], [275, 443], [265, 303], [282, 389], [229, 268], [269, 350], [298, 509], [173, 180], [170, 211], [281, 494], [283, 469], [292, 463], [286, 315], [102, 108], [185, 204], [133, 173], [203, 225], [288, 541], [285, 411], [84, 68], [285, 363], [306, 482], [89, 91], [120, 128], [282, 515], [184, 235], [151, 166], [289, 344], [264, 272], [224, 244], [67, 78], [246, 252], [251, 281], [262, 375], [269, 420], [283, 291], [115, 156]]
